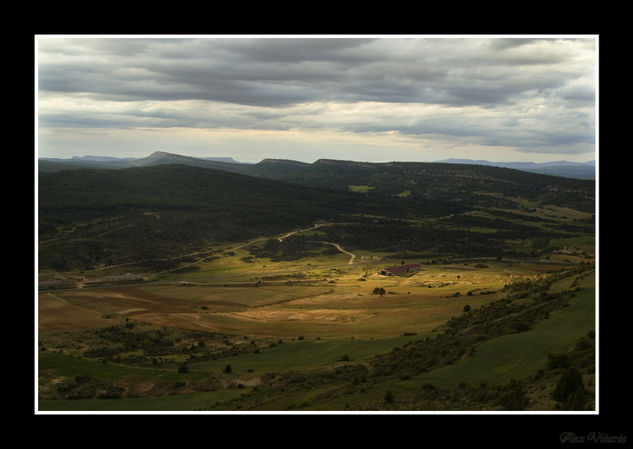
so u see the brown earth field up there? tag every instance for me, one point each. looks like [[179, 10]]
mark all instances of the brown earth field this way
[[417, 303], [57, 313]]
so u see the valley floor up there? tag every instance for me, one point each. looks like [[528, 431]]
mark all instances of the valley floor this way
[[233, 332]]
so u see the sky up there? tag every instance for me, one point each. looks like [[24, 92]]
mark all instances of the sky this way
[[365, 98]]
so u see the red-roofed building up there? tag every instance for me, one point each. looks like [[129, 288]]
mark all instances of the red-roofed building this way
[[401, 270]]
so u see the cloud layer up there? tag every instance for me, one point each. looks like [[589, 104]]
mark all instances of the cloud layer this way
[[525, 95]]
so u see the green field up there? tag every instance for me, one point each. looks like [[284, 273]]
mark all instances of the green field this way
[[517, 355], [304, 354], [61, 365]]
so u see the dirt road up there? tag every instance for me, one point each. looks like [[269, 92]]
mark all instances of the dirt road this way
[[352, 256]]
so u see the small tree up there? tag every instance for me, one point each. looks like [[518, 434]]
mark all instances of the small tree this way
[[227, 369], [467, 308], [388, 396], [379, 291]]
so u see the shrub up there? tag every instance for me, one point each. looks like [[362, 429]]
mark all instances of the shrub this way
[[557, 361], [389, 396], [576, 401], [514, 397], [569, 384]]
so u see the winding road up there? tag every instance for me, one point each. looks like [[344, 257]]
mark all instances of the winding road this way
[[352, 256]]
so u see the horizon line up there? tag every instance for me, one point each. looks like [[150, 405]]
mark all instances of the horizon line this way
[[69, 158]]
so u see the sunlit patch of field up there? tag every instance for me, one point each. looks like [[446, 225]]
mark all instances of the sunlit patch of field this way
[[240, 266], [244, 296], [339, 304]]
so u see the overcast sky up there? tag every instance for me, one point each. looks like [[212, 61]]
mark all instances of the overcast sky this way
[[365, 98]]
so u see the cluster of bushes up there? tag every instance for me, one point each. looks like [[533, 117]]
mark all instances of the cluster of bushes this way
[[115, 343], [85, 387]]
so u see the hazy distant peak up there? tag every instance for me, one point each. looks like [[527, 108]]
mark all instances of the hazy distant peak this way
[[158, 154], [339, 162], [282, 161], [518, 164], [100, 158]]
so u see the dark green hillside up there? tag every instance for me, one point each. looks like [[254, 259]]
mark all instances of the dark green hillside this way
[[458, 185], [91, 216]]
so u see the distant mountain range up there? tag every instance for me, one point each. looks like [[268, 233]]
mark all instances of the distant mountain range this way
[[579, 170]]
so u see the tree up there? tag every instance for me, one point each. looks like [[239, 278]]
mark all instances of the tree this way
[[379, 291], [467, 308], [388, 396], [227, 369]]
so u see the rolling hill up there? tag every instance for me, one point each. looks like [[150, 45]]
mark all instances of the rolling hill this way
[[98, 215], [450, 181], [277, 167], [170, 205]]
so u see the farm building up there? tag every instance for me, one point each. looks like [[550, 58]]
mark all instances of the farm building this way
[[401, 270]]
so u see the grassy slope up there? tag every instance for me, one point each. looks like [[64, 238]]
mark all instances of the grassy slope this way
[[303, 354], [518, 355]]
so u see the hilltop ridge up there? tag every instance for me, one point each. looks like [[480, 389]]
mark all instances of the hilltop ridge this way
[[575, 170]]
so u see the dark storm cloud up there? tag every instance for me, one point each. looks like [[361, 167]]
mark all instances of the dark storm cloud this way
[[218, 70], [269, 72], [293, 50], [262, 83]]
